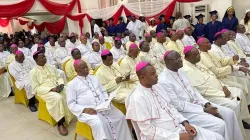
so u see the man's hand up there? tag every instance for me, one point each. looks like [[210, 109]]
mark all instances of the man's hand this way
[[236, 58], [244, 64], [2, 70], [226, 91], [127, 78], [190, 129], [244, 69], [89, 111], [118, 80], [186, 136], [55, 90]]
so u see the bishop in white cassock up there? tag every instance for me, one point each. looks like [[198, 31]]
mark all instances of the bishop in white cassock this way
[[150, 110], [172, 45], [11, 57], [72, 43], [130, 61], [94, 58], [212, 89], [188, 39], [118, 51], [5, 82], [49, 86], [19, 69], [190, 103], [35, 46], [242, 39], [3, 54], [114, 79], [85, 48], [135, 26], [132, 39], [51, 46], [146, 54], [160, 47], [25, 50], [61, 52], [102, 43], [84, 95]]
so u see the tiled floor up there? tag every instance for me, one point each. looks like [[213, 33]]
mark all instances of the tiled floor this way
[[18, 123]]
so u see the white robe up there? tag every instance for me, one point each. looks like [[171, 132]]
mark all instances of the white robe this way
[[69, 46], [150, 28], [243, 42], [60, 54], [118, 53], [20, 72], [97, 29], [94, 59], [87, 92], [5, 82], [136, 28], [189, 41], [159, 50], [85, 50], [4, 55], [33, 49], [25, 51], [190, 104], [157, 119]]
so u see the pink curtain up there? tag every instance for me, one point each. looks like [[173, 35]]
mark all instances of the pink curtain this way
[[16, 10]]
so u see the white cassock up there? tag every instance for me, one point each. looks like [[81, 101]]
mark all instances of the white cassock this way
[[94, 59], [87, 92], [85, 50], [181, 24], [69, 46], [60, 54], [180, 44], [20, 72], [150, 28], [152, 59], [5, 82], [52, 49], [33, 49], [128, 65], [25, 51], [50, 58], [4, 55], [210, 87], [189, 41], [97, 29], [107, 76], [125, 39], [118, 53], [243, 42], [136, 28], [190, 104], [157, 118], [159, 50], [129, 43], [172, 45]]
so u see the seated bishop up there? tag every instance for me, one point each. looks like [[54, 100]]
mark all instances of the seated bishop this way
[[19, 69], [113, 78], [69, 67], [191, 104], [11, 57], [47, 83], [160, 48], [94, 58], [151, 112], [5, 82], [130, 61], [84, 96], [118, 51]]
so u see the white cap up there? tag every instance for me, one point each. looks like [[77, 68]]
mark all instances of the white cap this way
[[141, 15], [247, 10], [151, 19]]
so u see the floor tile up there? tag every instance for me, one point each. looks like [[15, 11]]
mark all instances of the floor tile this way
[[23, 131], [71, 129], [45, 135]]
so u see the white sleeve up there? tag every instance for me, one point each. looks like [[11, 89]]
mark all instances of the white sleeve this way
[[150, 131]]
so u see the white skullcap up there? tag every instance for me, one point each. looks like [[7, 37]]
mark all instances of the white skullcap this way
[[151, 19], [247, 10]]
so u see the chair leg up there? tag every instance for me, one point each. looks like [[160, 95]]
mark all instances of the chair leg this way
[[75, 136]]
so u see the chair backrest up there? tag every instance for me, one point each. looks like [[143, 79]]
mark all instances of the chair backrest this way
[[94, 72], [108, 45], [64, 64], [11, 77], [119, 62]]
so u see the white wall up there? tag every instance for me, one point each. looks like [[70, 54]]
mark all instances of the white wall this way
[[240, 7]]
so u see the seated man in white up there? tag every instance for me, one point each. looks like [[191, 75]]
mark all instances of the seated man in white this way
[[51, 46], [49, 86], [35, 46], [11, 57], [5, 82], [146, 54], [118, 51], [102, 43], [150, 109], [130, 61], [72, 43], [188, 39], [113, 78], [25, 50], [242, 39], [85, 48], [19, 69], [61, 52], [84, 94], [3, 54], [160, 47], [191, 104], [94, 58], [132, 39]]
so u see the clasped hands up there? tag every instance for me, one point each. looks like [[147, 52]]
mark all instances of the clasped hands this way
[[58, 88]]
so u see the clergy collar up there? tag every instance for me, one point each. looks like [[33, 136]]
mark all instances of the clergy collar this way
[[171, 71]]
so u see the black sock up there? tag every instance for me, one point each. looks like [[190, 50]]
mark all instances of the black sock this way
[[32, 101], [60, 122]]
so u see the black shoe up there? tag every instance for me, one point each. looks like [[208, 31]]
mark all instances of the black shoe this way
[[11, 93], [246, 125], [33, 108]]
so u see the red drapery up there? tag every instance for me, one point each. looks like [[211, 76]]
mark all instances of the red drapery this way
[[22, 22], [16, 10], [4, 22], [58, 9]]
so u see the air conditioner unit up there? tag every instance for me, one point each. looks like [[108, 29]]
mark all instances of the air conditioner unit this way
[[201, 9]]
